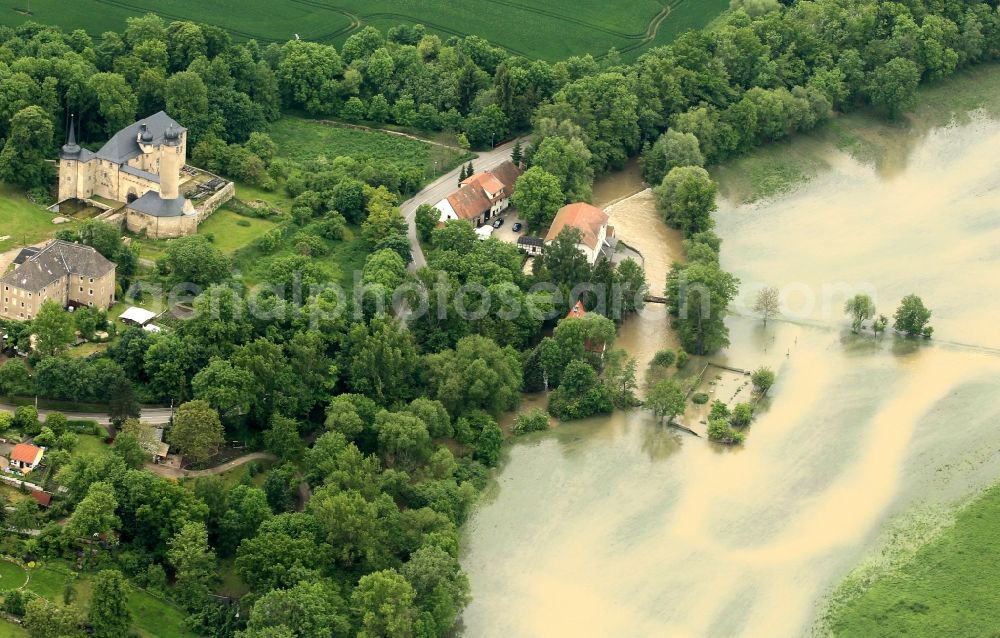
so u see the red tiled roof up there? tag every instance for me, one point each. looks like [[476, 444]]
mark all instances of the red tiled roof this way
[[470, 200], [43, 498], [589, 219], [24, 453], [486, 182], [576, 311], [507, 173]]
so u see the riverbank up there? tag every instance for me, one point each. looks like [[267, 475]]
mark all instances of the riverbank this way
[[946, 588]]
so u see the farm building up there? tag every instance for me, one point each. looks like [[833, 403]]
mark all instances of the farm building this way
[[67, 273], [481, 196], [142, 166], [592, 222], [26, 457]]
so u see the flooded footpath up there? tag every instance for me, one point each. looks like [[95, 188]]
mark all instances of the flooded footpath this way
[[617, 526]]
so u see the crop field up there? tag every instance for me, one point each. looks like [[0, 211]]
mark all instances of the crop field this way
[[548, 29]]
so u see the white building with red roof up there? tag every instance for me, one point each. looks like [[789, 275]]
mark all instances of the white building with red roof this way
[[481, 196], [26, 457], [592, 222]]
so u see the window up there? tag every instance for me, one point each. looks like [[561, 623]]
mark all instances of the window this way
[[91, 280], [81, 288], [91, 292]]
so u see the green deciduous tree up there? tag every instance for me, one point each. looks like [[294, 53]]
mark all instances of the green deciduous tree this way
[[384, 605], [686, 197], [23, 160], [538, 195], [893, 86], [860, 308], [54, 328], [912, 316], [666, 400], [671, 150], [95, 514], [197, 431], [109, 614]]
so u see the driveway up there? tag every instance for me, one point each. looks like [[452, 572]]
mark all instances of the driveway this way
[[506, 232], [441, 188]]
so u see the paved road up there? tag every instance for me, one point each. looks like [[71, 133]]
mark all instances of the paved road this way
[[439, 189], [153, 416]]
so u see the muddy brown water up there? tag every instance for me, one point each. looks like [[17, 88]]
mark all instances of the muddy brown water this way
[[616, 526]]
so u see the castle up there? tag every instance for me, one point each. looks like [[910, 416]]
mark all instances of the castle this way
[[141, 167]]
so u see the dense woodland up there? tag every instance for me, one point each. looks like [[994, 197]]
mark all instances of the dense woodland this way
[[394, 428]]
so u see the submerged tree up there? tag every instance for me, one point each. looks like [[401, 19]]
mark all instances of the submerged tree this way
[[912, 317], [766, 303], [860, 308]]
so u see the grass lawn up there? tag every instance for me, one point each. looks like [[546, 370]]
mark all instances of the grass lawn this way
[[23, 221], [152, 616], [231, 231], [302, 139], [525, 28], [10, 630], [12, 495], [86, 349], [12, 576], [90, 444], [947, 589]]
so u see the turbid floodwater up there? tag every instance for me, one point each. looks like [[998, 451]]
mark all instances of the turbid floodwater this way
[[618, 526]]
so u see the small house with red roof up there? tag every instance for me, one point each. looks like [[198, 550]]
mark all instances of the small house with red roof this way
[[579, 312], [482, 196], [44, 499], [26, 457]]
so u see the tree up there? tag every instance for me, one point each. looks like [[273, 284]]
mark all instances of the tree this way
[[686, 198], [306, 610], [880, 325], [742, 415], [43, 619], [197, 431], [123, 404], [859, 308], [383, 602], [14, 378], [671, 150], [893, 86], [538, 195], [666, 400], [95, 514], [402, 438], [517, 154], [196, 260], [54, 328], [440, 585], [477, 374], [224, 387], [489, 443], [383, 361], [766, 303], [109, 614], [619, 375], [25, 515], [25, 154], [580, 393], [116, 101], [911, 317], [698, 296], [569, 161], [762, 379], [282, 437], [246, 509], [426, 221], [128, 447]]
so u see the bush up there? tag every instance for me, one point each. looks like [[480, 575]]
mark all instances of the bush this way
[[531, 421], [719, 410], [742, 415], [664, 358], [245, 223], [763, 379], [700, 398], [682, 359], [719, 431]]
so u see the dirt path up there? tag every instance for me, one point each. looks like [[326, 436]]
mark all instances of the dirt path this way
[[362, 127], [176, 473]]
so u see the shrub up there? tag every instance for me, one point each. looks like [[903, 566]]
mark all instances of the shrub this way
[[763, 379], [700, 398], [245, 223], [531, 421], [719, 431], [719, 410], [664, 358], [682, 359], [742, 415]]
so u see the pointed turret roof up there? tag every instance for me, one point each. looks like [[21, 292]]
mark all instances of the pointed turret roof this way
[[71, 150]]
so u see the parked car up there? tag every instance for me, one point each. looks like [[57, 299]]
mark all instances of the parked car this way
[[517, 227], [498, 223]]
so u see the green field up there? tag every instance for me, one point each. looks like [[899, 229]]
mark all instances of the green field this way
[[22, 221], [12, 576], [947, 589], [523, 27], [231, 231], [301, 139]]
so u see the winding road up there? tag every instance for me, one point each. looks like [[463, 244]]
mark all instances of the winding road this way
[[439, 189]]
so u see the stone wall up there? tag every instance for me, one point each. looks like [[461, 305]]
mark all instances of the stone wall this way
[[219, 198], [161, 227]]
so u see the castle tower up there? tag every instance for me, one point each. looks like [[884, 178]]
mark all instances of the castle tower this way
[[170, 164], [69, 165]]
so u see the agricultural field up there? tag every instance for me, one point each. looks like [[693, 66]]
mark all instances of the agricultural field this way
[[524, 28], [935, 593], [300, 139]]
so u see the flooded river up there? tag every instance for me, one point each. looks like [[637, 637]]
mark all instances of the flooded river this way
[[619, 527]]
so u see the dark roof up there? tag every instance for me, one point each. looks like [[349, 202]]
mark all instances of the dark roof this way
[[530, 241], [138, 172], [123, 146], [152, 204], [507, 173], [56, 260], [26, 253]]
